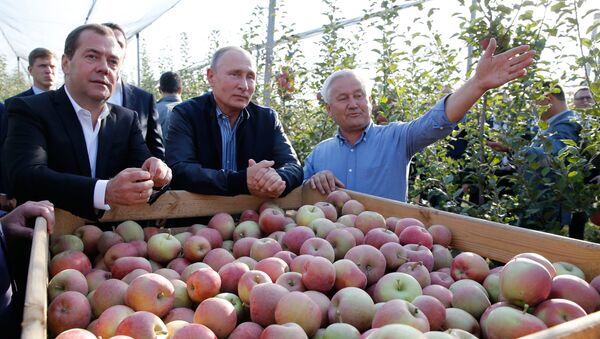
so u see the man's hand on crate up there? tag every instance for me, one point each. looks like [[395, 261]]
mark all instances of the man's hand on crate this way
[[17, 223]]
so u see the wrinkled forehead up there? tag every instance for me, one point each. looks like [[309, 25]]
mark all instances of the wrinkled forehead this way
[[236, 60], [347, 84]]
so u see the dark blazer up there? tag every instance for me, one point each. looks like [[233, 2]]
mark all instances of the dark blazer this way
[[136, 99], [45, 153], [3, 127], [194, 148]]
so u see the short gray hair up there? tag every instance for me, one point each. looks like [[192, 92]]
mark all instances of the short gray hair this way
[[221, 51], [326, 90]]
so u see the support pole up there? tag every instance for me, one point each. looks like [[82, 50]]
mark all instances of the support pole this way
[[269, 53], [139, 71]]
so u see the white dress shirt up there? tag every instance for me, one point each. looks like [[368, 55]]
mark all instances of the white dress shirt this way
[[116, 97], [90, 133]]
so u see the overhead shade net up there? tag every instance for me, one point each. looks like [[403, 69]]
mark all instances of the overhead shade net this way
[[28, 24]]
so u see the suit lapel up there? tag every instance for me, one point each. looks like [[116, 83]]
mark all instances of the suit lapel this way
[[128, 97], [72, 126], [105, 138]]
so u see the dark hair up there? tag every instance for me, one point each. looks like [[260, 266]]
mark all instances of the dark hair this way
[[40, 52], [170, 82], [72, 41], [553, 87], [116, 27]]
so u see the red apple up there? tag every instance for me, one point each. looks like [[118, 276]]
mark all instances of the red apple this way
[[286, 256], [241, 247], [440, 234], [230, 274], [76, 333], [69, 310], [124, 265], [202, 284], [418, 271], [90, 235], [223, 222], [342, 241], [348, 220], [194, 331], [287, 331], [142, 325], [368, 220], [249, 215], [107, 240], [217, 257], [264, 248], [318, 274], [347, 274], [457, 318], [328, 209], [299, 308], [67, 280], [109, 293], [377, 237], [271, 220], [353, 306], [70, 259], [519, 276], [263, 301], [416, 235], [441, 293], [274, 267], [247, 330], [338, 199], [469, 265], [180, 313], [318, 247], [295, 237], [369, 260], [557, 311], [96, 277], [573, 288], [323, 302], [400, 311], [217, 314], [415, 252], [292, 281], [133, 274], [213, 236], [433, 309], [130, 230], [248, 281], [149, 232], [163, 247], [394, 254], [195, 248], [442, 278], [110, 319], [119, 251], [151, 292], [507, 322], [353, 207], [247, 229]]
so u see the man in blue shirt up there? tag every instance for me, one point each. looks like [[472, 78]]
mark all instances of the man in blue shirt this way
[[374, 159]]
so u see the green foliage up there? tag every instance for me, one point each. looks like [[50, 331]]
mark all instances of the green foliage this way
[[11, 83]]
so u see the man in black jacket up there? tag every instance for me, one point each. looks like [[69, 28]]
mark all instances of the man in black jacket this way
[[221, 143], [138, 100]]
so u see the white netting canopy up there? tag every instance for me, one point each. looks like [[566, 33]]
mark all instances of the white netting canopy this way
[[27, 24]]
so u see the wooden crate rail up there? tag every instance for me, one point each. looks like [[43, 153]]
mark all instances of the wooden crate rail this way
[[489, 239]]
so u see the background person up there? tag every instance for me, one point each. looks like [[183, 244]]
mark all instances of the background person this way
[[170, 90]]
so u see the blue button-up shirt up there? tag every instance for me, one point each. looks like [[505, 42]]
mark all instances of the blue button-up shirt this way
[[379, 161], [228, 143]]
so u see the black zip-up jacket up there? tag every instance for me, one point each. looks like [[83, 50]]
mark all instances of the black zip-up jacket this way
[[194, 148]]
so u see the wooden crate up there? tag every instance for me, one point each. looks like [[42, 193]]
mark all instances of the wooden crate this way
[[493, 240]]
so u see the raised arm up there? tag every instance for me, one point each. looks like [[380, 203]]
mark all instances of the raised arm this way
[[492, 71]]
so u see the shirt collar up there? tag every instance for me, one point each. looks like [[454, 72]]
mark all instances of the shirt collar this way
[[116, 98], [363, 137], [221, 115], [549, 121], [36, 90], [79, 110]]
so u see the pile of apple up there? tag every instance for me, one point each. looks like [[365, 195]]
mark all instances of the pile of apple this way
[[301, 274]]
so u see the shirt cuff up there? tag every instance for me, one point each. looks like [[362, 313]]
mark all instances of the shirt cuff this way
[[440, 119], [100, 195]]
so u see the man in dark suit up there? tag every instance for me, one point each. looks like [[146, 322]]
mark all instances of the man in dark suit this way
[[138, 100], [221, 143], [65, 145], [42, 68]]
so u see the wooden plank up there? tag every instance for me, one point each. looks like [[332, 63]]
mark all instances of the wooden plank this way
[[36, 309], [177, 204], [489, 239], [587, 327]]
